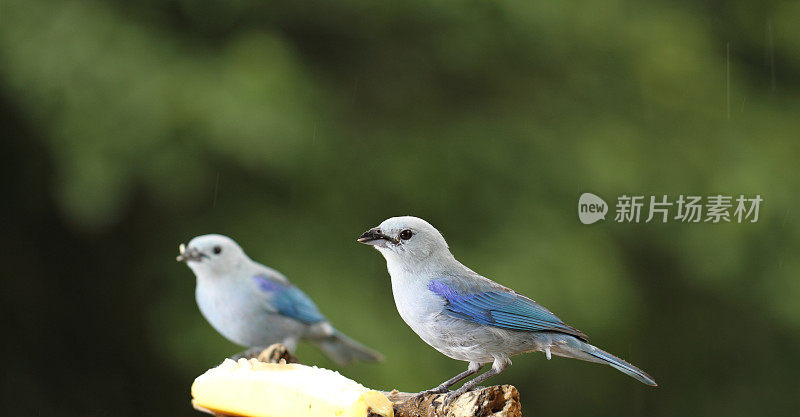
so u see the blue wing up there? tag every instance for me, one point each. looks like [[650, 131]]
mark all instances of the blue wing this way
[[499, 307], [289, 300]]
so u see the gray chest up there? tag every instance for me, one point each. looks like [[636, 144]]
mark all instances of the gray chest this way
[[244, 316]]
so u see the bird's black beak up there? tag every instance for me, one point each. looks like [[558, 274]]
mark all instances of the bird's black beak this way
[[373, 236], [190, 254]]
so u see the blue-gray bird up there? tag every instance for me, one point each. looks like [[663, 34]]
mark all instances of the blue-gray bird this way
[[469, 317], [255, 306]]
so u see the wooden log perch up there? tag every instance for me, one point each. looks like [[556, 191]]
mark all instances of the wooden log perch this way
[[494, 401]]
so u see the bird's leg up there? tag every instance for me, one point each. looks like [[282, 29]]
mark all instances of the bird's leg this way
[[498, 367], [472, 369], [253, 352]]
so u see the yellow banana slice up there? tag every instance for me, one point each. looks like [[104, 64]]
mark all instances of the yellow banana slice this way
[[257, 389]]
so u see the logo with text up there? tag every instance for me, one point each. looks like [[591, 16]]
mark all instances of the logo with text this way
[[716, 208], [591, 208]]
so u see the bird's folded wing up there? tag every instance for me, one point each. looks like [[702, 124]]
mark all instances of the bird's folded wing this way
[[289, 300], [499, 307]]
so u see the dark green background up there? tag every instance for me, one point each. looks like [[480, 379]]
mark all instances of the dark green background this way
[[130, 127]]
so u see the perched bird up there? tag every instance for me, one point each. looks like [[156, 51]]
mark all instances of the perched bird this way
[[469, 317], [255, 306]]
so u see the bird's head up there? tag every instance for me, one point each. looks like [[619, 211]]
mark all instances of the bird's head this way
[[211, 254], [408, 240]]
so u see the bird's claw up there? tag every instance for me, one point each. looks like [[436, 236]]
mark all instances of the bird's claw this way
[[433, 391], [450, 397]]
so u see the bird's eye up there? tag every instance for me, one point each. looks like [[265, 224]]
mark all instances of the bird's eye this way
[[406, 234], [217, 250]]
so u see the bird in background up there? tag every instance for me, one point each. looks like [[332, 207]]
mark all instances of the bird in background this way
[[469, 317], [255, 306]]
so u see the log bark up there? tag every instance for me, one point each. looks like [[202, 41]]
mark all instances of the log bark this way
[[494, 401]]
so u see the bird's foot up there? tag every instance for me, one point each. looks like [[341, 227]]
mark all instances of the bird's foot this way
[[441, 389], [452, 395], [449, 398], [248, 354]]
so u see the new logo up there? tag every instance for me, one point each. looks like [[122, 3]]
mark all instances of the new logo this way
[[591, 208]]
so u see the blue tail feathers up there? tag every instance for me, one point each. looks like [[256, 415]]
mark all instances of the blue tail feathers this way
[[619, 364]]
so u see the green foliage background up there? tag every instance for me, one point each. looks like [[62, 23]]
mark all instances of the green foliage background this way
[[129, 127]]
